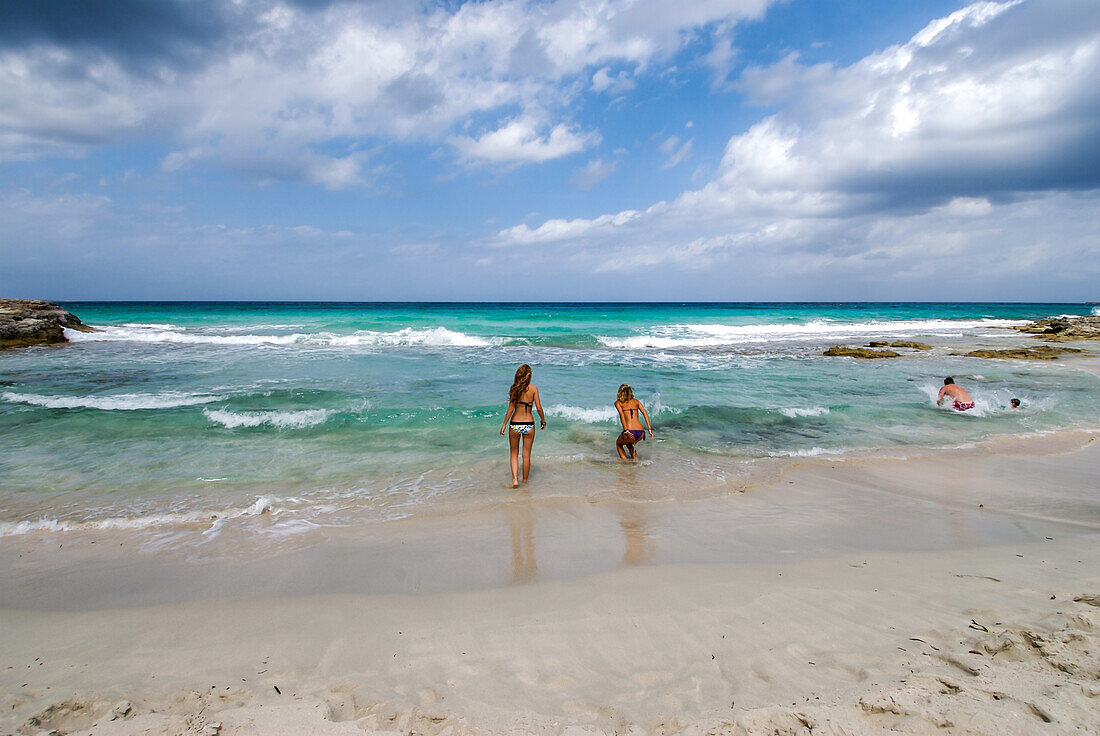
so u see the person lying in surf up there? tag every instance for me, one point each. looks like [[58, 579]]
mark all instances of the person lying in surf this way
[[520, 422], [629, 408], [958, 394]]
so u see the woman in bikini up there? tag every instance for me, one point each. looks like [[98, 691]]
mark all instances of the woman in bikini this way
[[520, 422], [629, 408]]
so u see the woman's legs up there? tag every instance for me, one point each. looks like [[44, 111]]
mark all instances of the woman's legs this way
[[528, 440], [513, 451], [626, 440]]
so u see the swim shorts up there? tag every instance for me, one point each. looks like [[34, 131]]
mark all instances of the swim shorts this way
[[960, 406]]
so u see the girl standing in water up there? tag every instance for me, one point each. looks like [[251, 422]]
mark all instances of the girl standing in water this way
[[629, 408], [520, 422]]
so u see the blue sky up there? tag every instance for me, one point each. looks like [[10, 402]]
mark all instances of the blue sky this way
[[554, 150]]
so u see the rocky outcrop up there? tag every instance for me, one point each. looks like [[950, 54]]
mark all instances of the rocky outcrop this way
[[1065, 328], [1038, 352], [911, 344], [842, 351], [899, 344], [25, 322]]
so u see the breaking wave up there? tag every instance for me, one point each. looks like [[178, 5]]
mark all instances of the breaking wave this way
[[434, 336], [709, 335], [262, 505], [114, 402], [813, 411], [278, 419]]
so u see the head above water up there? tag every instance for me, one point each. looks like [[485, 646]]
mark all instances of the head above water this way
[[521, 382], [625, 392], [1015, 403], [948, 381]]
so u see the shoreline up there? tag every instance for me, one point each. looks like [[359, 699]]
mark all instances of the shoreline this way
[[1011, 489]]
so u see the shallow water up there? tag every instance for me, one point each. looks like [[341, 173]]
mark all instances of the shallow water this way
[[173, 414]]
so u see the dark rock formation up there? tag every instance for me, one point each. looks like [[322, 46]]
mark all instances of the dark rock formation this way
[[842, 351], [25, 322], [1038, 352], [1057, 329], [877, 344], [910, 344]]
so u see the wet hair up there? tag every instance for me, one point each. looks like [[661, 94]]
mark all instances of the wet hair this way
[[625, 393], [520, 384], [948, 381], [1015, 403]]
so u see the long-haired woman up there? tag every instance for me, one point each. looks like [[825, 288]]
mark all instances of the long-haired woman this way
[[520, 422], [629, 408]]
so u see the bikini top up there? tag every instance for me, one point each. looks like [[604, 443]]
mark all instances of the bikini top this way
[[528, 404]]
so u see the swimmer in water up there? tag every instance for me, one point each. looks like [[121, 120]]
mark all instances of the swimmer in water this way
[[520, 422], [629, 408], [1014, 403], [962, 399]]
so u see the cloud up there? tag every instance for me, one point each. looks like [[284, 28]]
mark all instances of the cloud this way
[[676, 151], [593, 173], [602, 81], [556, 230], [979, 132], [294, 80], [520, 141]]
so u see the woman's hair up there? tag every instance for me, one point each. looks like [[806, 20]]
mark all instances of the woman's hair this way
[[523, 380], [625, 392]]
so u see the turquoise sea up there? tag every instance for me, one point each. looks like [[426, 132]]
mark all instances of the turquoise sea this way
[[191, 418]]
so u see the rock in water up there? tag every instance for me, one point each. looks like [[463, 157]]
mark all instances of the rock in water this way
[[840, 351], [25, 322], [1037, 352], [1065, 328]]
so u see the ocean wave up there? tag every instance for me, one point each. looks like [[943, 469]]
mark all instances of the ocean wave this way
[[114, 402], [279, 419], [433, 336], [580, 414], [262, 505], [813, 411], [711, 335], [1096, 311], [811, 452]]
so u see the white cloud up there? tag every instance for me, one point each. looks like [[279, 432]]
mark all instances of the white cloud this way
[[603, 81], [676, 150], [593, 173], [555, 230], [293, 81], [521, 141], [978, 134]]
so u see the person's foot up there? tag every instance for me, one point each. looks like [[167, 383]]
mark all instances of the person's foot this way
[[515, 483]]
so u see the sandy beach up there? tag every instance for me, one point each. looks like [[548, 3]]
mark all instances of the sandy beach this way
[[936, 594]]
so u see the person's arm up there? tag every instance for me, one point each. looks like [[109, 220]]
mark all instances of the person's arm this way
[[538, 405], [939, 398], [646, 415], [508, 415]]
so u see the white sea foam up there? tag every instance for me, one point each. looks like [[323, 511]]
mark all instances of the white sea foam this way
[[114, 402], [435, 336], [711, 335], [1096, 311], [812, 411], [812, 452], [262, 505], [278, 419], [580, 414]]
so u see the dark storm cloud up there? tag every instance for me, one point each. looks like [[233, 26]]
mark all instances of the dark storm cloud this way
[[126, 29]]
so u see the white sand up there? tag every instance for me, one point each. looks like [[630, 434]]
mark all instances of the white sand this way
[[979, 624]]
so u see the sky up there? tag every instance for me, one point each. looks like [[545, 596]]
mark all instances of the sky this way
[[551, 150]]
